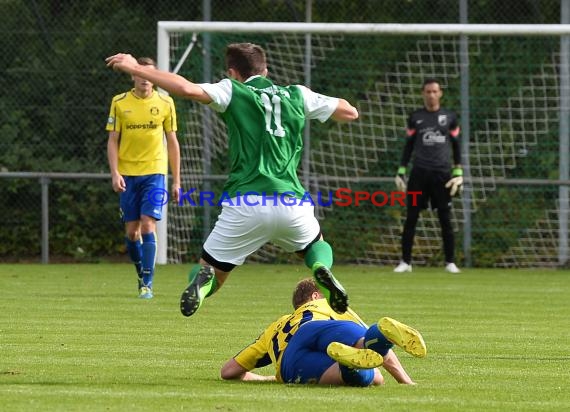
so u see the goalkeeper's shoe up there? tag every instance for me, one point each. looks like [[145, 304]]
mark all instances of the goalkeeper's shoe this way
[[330, 288], [354, 357], [452, 268], [403, 267], [194, 294], [145, 292], [403, 336]]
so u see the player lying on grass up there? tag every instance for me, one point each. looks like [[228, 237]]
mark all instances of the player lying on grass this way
[[316, 345]]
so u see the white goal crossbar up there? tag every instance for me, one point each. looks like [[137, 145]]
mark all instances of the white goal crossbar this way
[[164, 28], [366, 28]]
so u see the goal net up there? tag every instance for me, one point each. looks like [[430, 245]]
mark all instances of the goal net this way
[[503, 81]]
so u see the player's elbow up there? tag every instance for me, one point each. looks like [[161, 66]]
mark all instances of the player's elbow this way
[[232, 370], [353, 114], [345, 112], [227, 374]]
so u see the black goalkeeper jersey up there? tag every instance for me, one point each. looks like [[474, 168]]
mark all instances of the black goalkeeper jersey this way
[[431, 136]]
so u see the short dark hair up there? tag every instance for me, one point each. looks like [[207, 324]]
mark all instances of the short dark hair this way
[[303, 292], [146, 61], [430, 80], [247, 59]]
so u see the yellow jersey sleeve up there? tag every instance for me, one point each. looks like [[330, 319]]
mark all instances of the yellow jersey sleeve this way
[[169, 122], [259, 353], [114, 122]]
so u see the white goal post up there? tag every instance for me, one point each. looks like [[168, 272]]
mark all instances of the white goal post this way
[[165, 30]]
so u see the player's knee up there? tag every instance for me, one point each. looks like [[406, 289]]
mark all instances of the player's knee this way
[[133, 235], [148, 225], [207, 259], [357, 377]]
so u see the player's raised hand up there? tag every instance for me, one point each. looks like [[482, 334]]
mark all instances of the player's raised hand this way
[[121, 62]]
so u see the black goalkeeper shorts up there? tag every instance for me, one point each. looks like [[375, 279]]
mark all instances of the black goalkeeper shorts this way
[[432, 185]]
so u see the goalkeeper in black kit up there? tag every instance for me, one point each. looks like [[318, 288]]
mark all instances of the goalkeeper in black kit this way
[[432, 134]]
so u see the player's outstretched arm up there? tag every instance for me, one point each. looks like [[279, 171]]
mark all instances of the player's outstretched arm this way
[[172, 83]]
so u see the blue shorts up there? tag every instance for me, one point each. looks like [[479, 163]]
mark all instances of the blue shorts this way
[[145, 195], [305, 358]]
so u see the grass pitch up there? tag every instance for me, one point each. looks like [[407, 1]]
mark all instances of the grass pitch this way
[[77, 338]]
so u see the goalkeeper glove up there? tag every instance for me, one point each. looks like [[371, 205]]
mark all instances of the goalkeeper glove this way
[[455, 184], [400, 179]]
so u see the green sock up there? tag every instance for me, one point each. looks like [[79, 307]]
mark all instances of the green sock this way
[[320, 251], [210, 287]]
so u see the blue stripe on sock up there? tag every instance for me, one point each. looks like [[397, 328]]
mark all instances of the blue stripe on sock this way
[[375, 340]]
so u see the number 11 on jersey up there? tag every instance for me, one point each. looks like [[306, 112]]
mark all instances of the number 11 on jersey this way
[[273, 115]]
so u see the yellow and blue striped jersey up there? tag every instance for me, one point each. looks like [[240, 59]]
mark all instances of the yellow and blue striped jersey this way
[[269, 346], [142, 124]]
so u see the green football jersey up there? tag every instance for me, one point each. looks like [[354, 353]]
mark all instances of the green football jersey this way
[[265, 126]]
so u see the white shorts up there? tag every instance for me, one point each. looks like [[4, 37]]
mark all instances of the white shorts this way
[[242, 229]]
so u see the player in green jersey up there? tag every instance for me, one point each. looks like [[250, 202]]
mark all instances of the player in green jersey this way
[[265, 125]]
